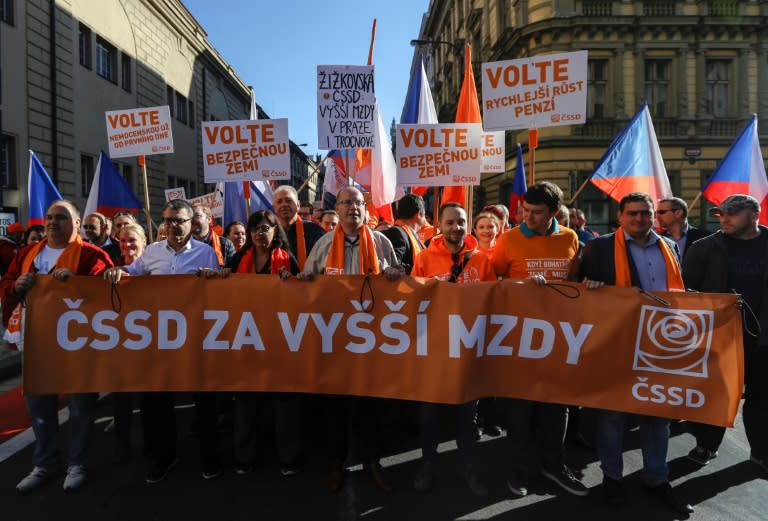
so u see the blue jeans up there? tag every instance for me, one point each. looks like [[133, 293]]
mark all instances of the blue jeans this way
[[654, 439], [43, 412]]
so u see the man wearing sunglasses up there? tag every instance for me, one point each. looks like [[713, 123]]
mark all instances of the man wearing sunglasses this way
[[735, 259], [177, 255], [95, 226], [202, 230], [672, 214]]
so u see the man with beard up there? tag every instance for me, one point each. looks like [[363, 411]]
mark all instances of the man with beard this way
[[202, 230], [302, 234]]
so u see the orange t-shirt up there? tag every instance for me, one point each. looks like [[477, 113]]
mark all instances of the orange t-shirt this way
[[436, 262], [519, 255]]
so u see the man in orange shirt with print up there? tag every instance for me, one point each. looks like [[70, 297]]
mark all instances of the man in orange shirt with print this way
[[542, 250]]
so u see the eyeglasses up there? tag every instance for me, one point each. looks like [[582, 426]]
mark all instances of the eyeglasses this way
[[349, 202], [264, 228], [176, 221], [89, 227]]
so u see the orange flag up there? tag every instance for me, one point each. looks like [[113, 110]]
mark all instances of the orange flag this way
[[468, 111]]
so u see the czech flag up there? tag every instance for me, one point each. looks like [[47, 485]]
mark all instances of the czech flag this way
[[519, 186], [468, 111], [741, 171], [419, 106], [234, 200], [109, 192], [633, 162], [40, 191]]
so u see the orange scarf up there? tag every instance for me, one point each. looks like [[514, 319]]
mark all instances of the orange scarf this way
[[369, 261], [623, 275], [301, 246], [279, 258], [216, 245], [427, 232], [416, 246]]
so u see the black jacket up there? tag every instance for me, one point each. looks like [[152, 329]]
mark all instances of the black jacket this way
[[694, 234], [705, 269], [597, 260], [312, 232], [402, 245]]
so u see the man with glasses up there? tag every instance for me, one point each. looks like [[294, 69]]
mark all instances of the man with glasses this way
[[352, 249], [302, 233], [62, 254], [177, 255], [542, 250], [202, 230], [95, 226], [672, 214], [634, 256], [735, 259]]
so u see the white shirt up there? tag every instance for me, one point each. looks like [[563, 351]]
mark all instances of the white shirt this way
[[46, 259], [160, 259]]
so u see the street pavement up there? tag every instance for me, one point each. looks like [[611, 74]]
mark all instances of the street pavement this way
[[729, 488]]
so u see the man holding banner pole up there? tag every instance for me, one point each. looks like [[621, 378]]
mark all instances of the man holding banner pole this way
[[542, 250], [634, 256], [352, 249], [179, 254]]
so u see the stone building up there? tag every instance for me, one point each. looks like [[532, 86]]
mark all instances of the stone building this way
[[702, 66], [66, 62]]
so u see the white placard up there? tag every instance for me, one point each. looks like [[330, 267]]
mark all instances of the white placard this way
[[493, 152], [345, 106], [542, 91], [175, 193], [213, 200], [6, 219], [139, 132], [439, 155], [246, 149]]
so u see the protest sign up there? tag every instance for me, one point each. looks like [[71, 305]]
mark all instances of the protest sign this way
[[139, 132], [345, 107], [439, 155], [541, 91], [246, 149], [493, 152], [6, 219], [213, 200], [414, 339], [175, 193]]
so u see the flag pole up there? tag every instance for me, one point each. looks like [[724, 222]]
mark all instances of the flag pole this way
[[533, 143], [312, 174], [693, 203], [147, 213], [582, 187], [373, 37], [469, 205], [247, 196]]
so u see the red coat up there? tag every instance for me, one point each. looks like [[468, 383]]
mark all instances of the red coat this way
[[93, 261]]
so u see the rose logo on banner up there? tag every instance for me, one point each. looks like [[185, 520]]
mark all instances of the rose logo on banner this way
[[674, 341]]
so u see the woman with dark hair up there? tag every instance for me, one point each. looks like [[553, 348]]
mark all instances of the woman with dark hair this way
[[266, 248], [266, 252], [235, 232], [35, 234]]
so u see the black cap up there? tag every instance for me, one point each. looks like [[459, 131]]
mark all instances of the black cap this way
[[735, 203]]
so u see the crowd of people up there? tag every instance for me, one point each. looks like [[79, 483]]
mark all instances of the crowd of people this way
[[300, 241]]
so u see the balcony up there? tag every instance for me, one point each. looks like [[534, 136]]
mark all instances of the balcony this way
[[723, 7], [597, 7], [597, 129], [658, 8]]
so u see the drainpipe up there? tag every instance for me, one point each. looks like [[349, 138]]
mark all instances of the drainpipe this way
[[54, 105]]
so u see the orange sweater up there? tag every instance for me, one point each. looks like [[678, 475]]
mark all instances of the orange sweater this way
[[519, 255], [436, 262]]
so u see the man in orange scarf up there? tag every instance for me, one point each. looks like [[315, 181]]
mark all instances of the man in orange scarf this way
[[202, 230], [61, 254], [634, 256], [352, 249], [302, 235], [404, 234]]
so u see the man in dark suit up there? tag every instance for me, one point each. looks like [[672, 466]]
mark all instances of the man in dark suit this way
[[614, 259], [404, 234], [672, 214]]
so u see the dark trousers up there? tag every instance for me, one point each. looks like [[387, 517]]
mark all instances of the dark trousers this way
[[207, 412], [252, 409], [535, 432], [754, 411], [159, 421], [352, 428], [122, 409], [464, 416]]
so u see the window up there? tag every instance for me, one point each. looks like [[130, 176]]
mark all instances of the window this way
[[106, 56], [86, 174], [8, 177], [84, 46], [181, 108], [191, 114], [596, 88], [716, 81], [657, 86], [169, 96], [127, 172], [125, 72], [6, 11]]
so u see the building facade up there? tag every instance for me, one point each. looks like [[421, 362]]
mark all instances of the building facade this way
[[66, 62], [702, 66]]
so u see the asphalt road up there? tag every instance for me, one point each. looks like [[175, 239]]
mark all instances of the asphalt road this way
[[730, 488]]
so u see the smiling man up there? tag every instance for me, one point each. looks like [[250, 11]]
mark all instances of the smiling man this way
[[302, 234]]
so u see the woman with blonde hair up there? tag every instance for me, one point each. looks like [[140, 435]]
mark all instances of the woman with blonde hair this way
[[485, 228]]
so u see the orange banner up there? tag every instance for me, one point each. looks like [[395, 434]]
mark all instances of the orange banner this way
[[611, 348]]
